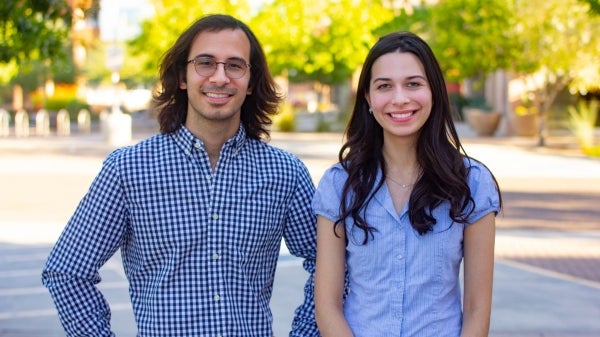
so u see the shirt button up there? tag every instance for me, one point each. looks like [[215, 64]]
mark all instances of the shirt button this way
[[217, 297], [215, 216], [215, 256], [208, 177], [198, 145], [188, 153], [400, 257]]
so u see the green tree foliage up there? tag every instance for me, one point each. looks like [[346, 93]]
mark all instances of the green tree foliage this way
[[33, 29], [553, 43], [316, 40], [172, 18], [560, 47], [475, 38], [34, 73], [95, 68], [324, 41], [594, 6], [469, 37]]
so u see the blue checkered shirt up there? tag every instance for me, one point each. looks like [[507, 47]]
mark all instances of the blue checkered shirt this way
[[199, 248]]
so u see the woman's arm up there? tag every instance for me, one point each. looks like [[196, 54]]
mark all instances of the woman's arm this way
[[329, 280], [478, 276]]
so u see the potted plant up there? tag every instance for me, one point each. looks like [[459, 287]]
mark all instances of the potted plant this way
[[481, 117], [525, 120]]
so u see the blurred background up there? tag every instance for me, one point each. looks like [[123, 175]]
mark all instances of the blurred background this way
[[530, 67], [77, 77]]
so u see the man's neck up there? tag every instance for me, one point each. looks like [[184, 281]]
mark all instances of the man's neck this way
[[214, 135]]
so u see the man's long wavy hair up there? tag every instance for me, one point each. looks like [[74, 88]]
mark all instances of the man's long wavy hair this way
[[172, 102], [439, 151]]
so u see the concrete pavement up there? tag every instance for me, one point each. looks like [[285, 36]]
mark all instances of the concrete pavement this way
[[547, 273]]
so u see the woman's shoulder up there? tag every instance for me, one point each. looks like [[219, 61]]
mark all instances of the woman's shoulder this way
[[480, 177], [474, 165], [337, 167], [336, 170], [333, 177]]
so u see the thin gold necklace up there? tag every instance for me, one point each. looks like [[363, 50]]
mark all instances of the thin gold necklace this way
[[400, 184]]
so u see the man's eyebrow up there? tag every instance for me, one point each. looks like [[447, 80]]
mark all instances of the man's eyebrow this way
[[213, 57], [203, 55]]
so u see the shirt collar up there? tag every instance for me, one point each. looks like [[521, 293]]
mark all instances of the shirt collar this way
[[187, 141]]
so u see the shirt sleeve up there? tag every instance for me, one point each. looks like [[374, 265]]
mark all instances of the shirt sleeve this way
[[327, 199], [90, 238], [300, 236], [483, 191], [325, 202]]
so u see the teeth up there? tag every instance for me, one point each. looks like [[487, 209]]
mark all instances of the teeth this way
[[402, 115], [216, 95]]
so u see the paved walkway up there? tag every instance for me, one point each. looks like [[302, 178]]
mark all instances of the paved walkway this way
[[547, 273]]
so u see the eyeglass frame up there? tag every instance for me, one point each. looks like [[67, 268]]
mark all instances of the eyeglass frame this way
[[248, 65]]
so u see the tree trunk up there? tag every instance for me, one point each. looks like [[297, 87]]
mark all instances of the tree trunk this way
[[544, 98]]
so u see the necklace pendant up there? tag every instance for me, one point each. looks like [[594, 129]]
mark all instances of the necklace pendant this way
[[405, 186]]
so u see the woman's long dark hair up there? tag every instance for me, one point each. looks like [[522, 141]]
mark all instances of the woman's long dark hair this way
[[439, 151], [172, 102]]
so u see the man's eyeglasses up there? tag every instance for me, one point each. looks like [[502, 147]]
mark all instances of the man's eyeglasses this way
[[206, 66]]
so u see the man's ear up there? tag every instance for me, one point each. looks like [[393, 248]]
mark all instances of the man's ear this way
[[183, 83]]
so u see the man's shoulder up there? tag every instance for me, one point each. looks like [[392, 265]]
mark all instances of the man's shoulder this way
[[148, 147], [273, 151], [271, 157]]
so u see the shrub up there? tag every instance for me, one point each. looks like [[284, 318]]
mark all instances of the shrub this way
[[284, 121], [582, 121]]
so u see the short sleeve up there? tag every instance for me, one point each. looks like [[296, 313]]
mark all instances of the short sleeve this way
[[484, 191], [326, 201]]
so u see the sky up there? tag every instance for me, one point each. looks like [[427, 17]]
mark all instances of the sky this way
[[119, 19]]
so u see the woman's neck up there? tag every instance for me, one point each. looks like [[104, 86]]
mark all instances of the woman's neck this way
[[401, 162]]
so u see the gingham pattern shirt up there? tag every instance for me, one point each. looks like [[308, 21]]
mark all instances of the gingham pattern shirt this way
[[199, 248]]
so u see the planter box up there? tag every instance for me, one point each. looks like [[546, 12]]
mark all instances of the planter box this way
[[483, 122], [524, 125]]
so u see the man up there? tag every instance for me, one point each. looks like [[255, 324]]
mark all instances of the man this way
[[198, 211]]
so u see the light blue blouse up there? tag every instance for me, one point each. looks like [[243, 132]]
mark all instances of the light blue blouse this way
[[402, 283]]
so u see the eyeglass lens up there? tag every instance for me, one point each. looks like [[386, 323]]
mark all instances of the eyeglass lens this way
[[206, 66]]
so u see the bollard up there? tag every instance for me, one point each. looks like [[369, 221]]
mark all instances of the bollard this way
[[104, 128], [117, 127], [42, 123], [22, 123], [4, 123], [84, 121], [63, 123]]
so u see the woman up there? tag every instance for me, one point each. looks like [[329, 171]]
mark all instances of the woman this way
[[402, 208]]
